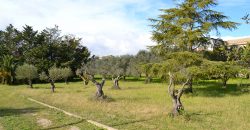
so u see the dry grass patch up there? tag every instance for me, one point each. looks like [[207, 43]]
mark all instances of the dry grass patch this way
[[44, 122]]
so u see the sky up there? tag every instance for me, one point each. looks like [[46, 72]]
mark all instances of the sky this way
[[107, 27]]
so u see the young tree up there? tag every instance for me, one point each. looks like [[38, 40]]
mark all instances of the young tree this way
[[187, 26], [118, 69], [54, 74], [27, 72], [66, 73], [134, 68], [145, 68], [142, 60]]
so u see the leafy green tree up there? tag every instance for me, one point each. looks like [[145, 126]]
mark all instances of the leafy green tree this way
[[48, 48], [180, 69], [54, 74], [10, 42], [235, 53], [27, 72], [220, 70], [119, 69], [145, 68], [138, 63], [244, 73], [133, 68], [30, 40], [187, 26], [66, 73]]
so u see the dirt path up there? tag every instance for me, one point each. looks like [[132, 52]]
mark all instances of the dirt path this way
[[73, 115]]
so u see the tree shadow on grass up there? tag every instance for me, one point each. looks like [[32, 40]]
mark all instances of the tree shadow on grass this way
[[47, 87], [13, 112], [215, 89], [64, 125], [194, 116]]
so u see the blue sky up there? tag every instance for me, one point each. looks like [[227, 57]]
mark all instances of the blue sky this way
[[107, 27]]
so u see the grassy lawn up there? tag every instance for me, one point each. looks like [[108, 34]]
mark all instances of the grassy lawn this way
[[136, 106], [17, 113]]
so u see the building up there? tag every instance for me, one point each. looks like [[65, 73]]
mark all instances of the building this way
[[217, 42], [238, 42]]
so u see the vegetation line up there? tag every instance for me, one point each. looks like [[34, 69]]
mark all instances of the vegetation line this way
[[73, 115]]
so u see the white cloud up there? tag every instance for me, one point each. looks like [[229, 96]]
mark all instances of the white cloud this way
[[106, 26]]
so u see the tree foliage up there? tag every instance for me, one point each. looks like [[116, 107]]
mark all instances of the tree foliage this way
[[27, 72], [55, 74], [66, 73], [8, 66], [43, 49], [178, 68], [187, 26], [220, 70]]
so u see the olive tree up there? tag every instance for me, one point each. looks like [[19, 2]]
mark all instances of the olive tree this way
[[90, 68], [145, 68], [179, 70], [220, 70], [82, 74], [66, 73], [99, 86], [27, 72], [53, 75]]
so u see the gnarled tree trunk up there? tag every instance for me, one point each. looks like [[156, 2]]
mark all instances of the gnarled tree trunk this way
[[190, 86], [30, 83], [116, 83], [224, 81], [99, 86], [52, 85], [85, 79], [176, 95]]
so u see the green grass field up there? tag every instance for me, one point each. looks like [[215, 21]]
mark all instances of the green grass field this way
[[136, 106]]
